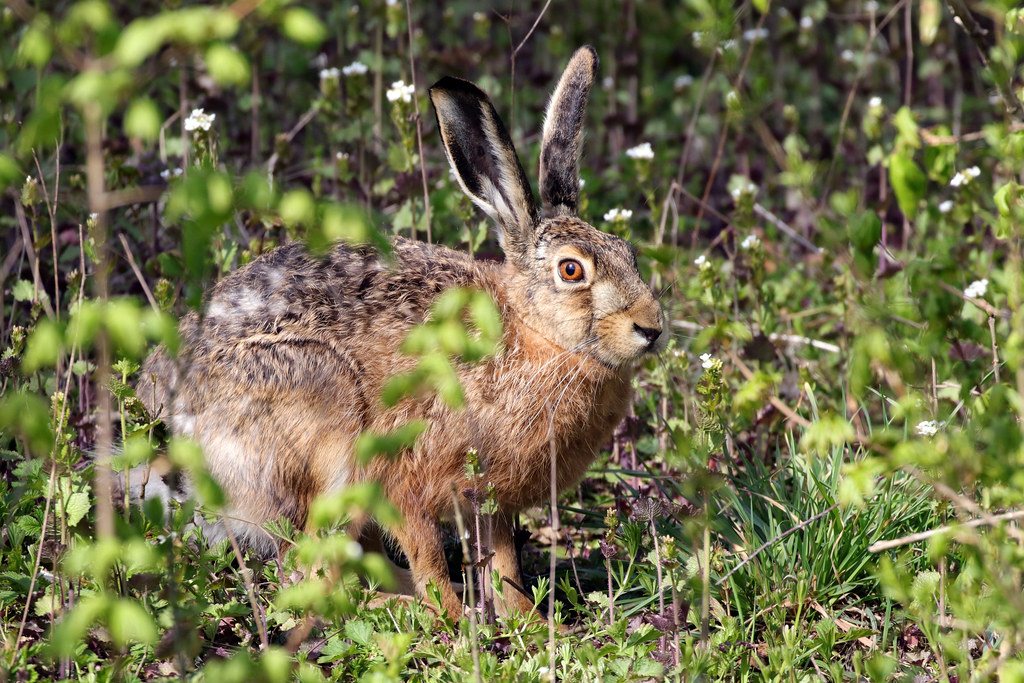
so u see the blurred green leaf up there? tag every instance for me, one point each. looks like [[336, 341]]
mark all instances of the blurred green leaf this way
[[303, 27]]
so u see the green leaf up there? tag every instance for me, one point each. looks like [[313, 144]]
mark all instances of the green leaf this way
[[227, 65], [69, 632], [829, 431], [297, 207], [908, 182], [35, 47], [9, 171], [128, 622], [359, 631], [76, 506], [23, 291], [43, 347], [371, 444], [906, 128], [142, 120], [303, 27], [865, 230]]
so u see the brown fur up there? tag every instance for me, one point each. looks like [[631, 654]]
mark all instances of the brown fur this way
[[286, 366]]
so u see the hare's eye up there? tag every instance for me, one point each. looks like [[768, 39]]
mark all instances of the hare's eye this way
[[571, 270]]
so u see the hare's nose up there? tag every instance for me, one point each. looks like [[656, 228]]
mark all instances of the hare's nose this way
[[651, 334]]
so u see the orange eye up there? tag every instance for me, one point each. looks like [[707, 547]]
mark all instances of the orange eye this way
[[571, 270]]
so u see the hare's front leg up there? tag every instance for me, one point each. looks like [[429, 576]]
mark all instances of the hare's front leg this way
[[506, 562], [420, 539]]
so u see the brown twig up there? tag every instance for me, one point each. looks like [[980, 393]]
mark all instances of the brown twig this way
[[250, 588], [963, 16], [138, 273], [880, 546], [419, 122]]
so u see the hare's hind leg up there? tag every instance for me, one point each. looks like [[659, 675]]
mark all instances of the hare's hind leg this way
[[506, 562], [420, 539]]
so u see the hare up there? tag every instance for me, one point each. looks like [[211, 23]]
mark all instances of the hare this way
[[286, 365]]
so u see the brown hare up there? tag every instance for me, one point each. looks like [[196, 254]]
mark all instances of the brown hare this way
[[286, 365]]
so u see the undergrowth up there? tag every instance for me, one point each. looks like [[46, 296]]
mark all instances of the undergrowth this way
[[821, 477]]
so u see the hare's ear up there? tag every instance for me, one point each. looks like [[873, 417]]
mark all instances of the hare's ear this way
[[563, 135], [484, 160]]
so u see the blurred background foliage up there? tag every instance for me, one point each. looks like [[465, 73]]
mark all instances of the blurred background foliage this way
[[820, 479]]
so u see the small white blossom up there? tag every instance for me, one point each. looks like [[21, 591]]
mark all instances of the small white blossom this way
[[329, 73], [356, 68], [737, 192], [618, 215], [732, 99], [707, 361], [641, 151], [927, 428], [341, 156], [871, 6], [93, 216], [875, 102], [847, 56], [946, 206], [400, 91], [964, 177], [977, 289], [391, 3], [727, 45], [683, 82], [169, 173], [479, 16], [806, 22], [753, 34], [199, 120], [698, 38], [582, 183], [702, 262], [749, 242]]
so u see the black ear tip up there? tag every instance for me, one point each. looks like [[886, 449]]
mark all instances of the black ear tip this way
[[457, 86]]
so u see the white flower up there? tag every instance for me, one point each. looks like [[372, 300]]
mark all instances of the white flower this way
[[737, 192], [847, 56], [964, 177], [727, 45], [707, 361], [582, 183], [806, 22], [479, 16], [641, 151], [329, 73], [390, 3], [946, 206], [702, 262], [341, 156], [400, 91], [753, 34], [356, 68], [732, 99], [93, 216], [169, 173], [618, 215], [682, 82], [875, 102], [871, 6], [199, 120], [749, 242], [927, 428], [977, 289], [698, 38]]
